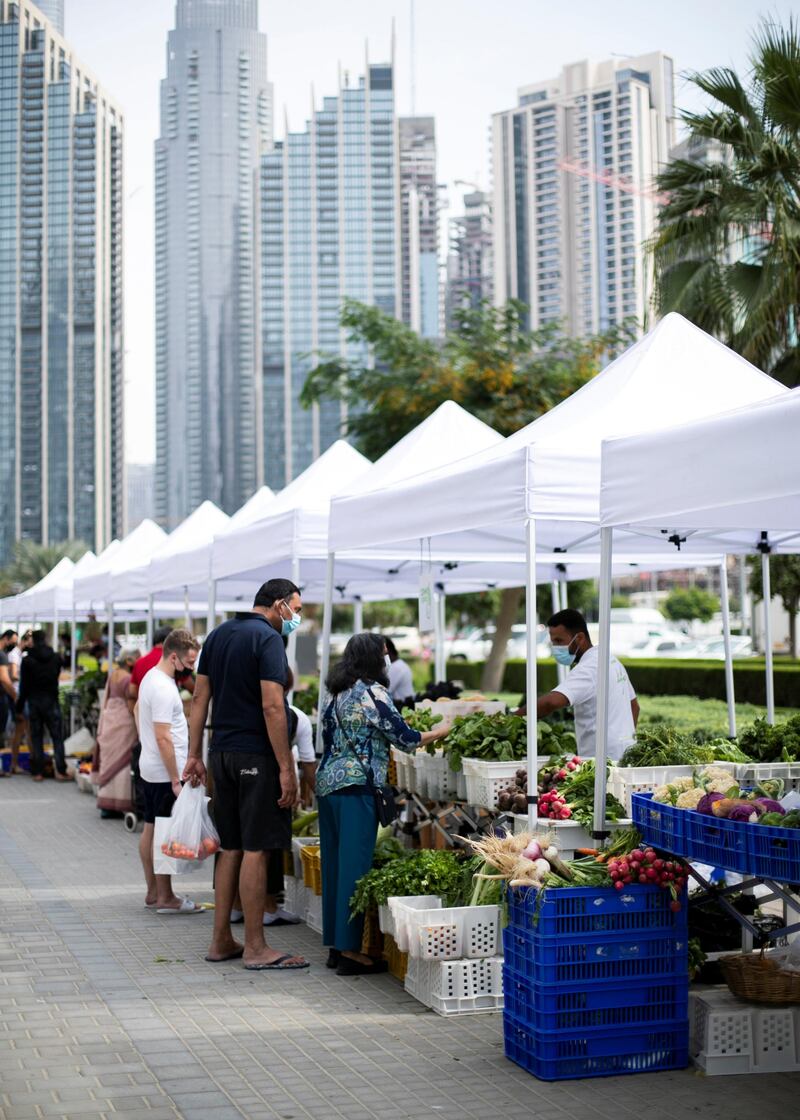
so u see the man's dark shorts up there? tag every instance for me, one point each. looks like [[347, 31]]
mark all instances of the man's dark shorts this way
[[246, 789], [158, 799]]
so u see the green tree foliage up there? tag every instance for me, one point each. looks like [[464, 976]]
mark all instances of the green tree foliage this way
[[33, 561], [493, 367], [727, 248], [684, 604], [784, 574]]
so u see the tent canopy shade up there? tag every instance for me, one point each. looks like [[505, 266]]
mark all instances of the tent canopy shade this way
[[95, 588]]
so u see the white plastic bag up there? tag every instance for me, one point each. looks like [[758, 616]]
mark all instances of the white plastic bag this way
[[191, 834]]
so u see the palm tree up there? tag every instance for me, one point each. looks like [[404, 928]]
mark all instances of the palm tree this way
[[33, 561], [727, 248]]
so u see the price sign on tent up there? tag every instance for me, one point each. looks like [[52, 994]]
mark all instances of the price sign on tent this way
[[426, 622]]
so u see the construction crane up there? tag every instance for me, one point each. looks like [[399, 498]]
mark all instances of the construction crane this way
[[611, 179]]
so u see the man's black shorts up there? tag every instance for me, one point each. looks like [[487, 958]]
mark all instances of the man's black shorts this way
[[246, 789], [158, 799]]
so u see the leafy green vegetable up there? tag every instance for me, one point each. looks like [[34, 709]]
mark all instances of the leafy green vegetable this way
[[767, 743], [307, 699], [662, 745], [419, 872], [422, 719], [496, 738], [578, 790]]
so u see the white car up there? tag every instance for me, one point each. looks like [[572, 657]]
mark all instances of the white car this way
[[713, 649], [663, 645], [407, 640], [477, 644]]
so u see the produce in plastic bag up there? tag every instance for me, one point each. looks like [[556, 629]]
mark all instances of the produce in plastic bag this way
[[191, 832]]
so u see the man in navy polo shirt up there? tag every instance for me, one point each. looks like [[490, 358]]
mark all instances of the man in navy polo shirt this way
[[241, 674]]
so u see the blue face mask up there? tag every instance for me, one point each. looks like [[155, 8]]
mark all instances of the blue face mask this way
[[563, 655], [289, 625]]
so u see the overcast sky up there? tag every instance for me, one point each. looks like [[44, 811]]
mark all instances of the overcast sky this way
[[471, 56]]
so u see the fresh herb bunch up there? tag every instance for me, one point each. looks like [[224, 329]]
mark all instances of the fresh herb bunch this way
[[662, 745], [496, 738], [578, 792], [421, 719], [555, 739], [387, 848], [307, 699], [772, 743], [420, 872]]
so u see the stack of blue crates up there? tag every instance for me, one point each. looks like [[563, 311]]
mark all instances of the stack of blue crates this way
[[596, 981]]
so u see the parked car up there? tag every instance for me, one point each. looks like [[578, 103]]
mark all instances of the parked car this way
[[714, 648], [407, 640], [672, 645], [476, 644]]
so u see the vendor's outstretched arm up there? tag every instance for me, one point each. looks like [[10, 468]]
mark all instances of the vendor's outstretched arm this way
[[635, 711], [549, 703]]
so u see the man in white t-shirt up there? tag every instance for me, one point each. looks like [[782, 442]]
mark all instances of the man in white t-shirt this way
[[572, 647], [401, 683], [164, 736]]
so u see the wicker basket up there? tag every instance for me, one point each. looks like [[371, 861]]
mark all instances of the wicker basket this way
[[756, 978]]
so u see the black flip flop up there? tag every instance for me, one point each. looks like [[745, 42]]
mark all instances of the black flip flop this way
[[278, 965], [234, 956]]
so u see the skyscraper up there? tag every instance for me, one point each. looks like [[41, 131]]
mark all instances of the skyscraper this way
[[53, 11], [574, 165], [216, 120], [329, 229], [469, 261], [61, 329], [419, 225]]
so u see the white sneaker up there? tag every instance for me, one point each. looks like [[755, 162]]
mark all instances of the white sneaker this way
[[281, 917]]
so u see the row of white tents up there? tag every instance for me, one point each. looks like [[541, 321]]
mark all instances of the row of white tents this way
[[455, 503]]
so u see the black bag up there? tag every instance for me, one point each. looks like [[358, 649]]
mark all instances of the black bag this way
[[383, 796]]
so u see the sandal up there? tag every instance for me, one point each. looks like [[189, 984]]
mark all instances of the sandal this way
[[279, 965], [187, 906]]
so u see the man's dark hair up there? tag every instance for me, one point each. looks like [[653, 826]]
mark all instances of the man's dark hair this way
[[362, 660], [391, 649], [7, 634], [273, 590], [39, 637], [161, 634], [572, 621]]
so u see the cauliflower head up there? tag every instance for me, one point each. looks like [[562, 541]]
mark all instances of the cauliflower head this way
[[690, 798]]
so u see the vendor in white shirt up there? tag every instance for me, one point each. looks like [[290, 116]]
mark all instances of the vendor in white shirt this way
[[572, 647], [401, 683]]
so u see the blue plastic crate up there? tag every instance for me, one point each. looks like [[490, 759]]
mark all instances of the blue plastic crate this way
[[593, 911], [705, 839], [661, 825], [554, 1057], [774, 853], [595, 1006], [550, 961]]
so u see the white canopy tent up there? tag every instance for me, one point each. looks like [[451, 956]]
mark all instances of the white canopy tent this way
[[705, 481], [29, 603], [541, 487]]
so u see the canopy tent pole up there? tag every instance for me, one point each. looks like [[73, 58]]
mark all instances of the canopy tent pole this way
[[531, 682], [603, 672], [110, 651], [55, 629], [555, 599], [563, 589], [326, 644], [358, 615], [726, 635], [73, 663], [291, 645], [211, 616], [766, 593], [442, 649], [743, 596], [150, 626], [187, 608], [437, 637]]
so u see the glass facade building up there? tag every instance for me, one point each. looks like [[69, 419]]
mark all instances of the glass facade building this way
[[61, 326], [329, 229], [216, 122], [574, 167], [469, 261], [419, 225]]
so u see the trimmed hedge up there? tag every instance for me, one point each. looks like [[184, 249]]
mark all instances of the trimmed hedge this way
[[704, 679]]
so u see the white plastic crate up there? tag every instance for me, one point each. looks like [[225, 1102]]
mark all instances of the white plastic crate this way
[[420, 774], [294, 893], [399, 907], [729, 1036], [299, 842], [569, 834], [461, 786], [442, 784], [751, 773], [626, 780], [313, 910], [385, 920], [414, 973], [451, 933], [405, 769], [485, 781], [457, 987]]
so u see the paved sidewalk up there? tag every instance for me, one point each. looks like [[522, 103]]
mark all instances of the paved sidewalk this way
[[108, 1010]]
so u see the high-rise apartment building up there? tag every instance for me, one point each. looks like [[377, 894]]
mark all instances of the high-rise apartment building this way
[[329, 230], [216, 121], [61, 327], [53, 11], [574, 166], [141, 496], [419, 225], [469, 260]]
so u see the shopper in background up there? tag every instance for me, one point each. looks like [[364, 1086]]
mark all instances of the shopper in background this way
[[116, 738], [40, 671], [149, 661], [401, 684], [8, 693], [360, 723], [22, 731], [241, 676], [164, 735]]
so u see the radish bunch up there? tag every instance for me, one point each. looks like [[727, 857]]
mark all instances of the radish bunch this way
[[646, 866], [552, 804]]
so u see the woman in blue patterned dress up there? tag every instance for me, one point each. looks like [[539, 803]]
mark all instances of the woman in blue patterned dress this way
[[359, 726]]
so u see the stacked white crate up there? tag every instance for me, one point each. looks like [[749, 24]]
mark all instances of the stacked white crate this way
[[728, 1036]]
